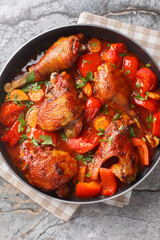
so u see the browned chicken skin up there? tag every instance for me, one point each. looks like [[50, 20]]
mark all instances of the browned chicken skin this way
[[116, 144], [112, 88], [60, 56], [45, 168], [62, 104]]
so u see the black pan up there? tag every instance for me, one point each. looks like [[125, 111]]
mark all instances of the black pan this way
[[25, 52]]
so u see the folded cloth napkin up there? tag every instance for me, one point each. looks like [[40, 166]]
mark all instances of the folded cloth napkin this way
[[150, 40]]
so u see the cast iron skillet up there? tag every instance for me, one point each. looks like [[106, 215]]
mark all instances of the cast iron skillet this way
[[51, 36]]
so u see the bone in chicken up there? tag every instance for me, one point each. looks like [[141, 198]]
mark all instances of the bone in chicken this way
[[60, 56], [45, 168], [116, 143], [61, 105], [112, 88]]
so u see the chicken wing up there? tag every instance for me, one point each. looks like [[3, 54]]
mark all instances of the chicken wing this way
[[62, 104], [45, 168], [116, 143]]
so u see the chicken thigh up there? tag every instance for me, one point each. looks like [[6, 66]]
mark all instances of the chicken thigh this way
[[45, 168], [61, 105], [116, 143]]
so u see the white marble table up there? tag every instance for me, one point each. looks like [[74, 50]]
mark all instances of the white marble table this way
[[21, 218]]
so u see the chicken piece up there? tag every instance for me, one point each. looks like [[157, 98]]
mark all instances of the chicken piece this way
[[45, 168], [116, 143], [62, 104], [112, 88], [60, 56]]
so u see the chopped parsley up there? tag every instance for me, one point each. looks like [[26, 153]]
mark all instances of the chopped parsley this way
[[23, 137], [102, 132], [94, 44], [120, 128], [138, 96], [138, 85], [127, 72], [85, 159], [64, 136], [117, 116], [88, 174], [113, 65], [84, 61], [143, 139], [22, 123], [35, 141], [82, 83], [109, 44], [131, 131], [47, 140], [107, 140], [150, 119], [148, 65], [31, 77], [132, 106], [123, 54]]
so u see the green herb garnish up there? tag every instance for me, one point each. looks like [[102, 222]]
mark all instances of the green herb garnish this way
[[107, 140], [117, 116], [138, 96], [123, 54], [93, 44], [31, 77], [88, 174], [102, 132], [47, 140], [150, 119], [127, 72], [138, 85], [148, 65], [23, 137], [64, 137], [89, 77], [131, 131], [22, 123], [132, 106], [85, 159], [113, 65], [84, 61], [143, 139]]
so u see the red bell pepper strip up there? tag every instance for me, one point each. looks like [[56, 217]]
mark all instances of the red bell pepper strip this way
[[88, 63], [108, 180], [86, 190], [85, 142], [143, 152], [36, 133], [156, 124], [12, 136], [9, 113], [150, 104], [91, 108]]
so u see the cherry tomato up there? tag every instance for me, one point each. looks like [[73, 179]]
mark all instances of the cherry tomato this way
[[87, 190], [88, 62], [120, 48], [130, 65], [91, 108], [108, 181], [147, 80], [156, 124], [85, 142], [143, 153]]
